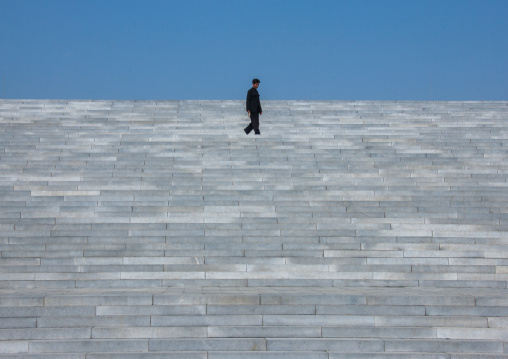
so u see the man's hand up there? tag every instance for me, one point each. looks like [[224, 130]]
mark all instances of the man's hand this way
[[248, 113]]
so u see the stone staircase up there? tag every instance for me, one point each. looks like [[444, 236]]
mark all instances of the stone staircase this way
[[158, 229]]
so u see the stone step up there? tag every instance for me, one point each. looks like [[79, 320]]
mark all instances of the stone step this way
[[269, 320], [348, 229]]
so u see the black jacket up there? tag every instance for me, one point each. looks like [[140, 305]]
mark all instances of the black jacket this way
[[253, 103]]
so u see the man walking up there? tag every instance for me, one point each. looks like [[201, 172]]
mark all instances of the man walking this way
[[253, 108]]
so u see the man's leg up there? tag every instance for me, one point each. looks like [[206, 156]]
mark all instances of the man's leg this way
[[248, 128], [254, 118]]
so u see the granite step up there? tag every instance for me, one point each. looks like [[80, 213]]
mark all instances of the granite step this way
[[348, 229], [302, 321]]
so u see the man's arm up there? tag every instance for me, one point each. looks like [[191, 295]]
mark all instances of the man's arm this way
[[249, 96]]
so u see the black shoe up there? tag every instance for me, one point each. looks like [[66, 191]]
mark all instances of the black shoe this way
[[258, 133], [246, 131]]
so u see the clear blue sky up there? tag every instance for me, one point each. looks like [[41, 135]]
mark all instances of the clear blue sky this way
[[304, 50]]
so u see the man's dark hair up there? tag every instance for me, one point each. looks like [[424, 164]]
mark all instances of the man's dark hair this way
[[256, 81]]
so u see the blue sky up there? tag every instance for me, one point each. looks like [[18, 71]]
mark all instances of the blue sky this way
[[303, 50]]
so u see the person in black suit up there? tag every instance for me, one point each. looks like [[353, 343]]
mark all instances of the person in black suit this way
[[253, 108]]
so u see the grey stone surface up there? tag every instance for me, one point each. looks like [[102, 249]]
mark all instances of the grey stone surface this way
[[348, 229], [218, 344], [88, 346], [330, 345], [390, 355], [268, 355], [166, 355]]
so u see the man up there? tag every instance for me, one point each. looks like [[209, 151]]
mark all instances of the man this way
[[253, 108]]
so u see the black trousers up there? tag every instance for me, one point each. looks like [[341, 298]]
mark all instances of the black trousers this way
[[254, 123]]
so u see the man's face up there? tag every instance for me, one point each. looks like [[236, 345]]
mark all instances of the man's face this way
[[256, 85]]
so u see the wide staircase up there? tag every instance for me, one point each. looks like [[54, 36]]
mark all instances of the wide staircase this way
[[158, 229]]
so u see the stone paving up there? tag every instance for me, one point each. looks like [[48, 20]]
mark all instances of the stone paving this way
[[158, 229]]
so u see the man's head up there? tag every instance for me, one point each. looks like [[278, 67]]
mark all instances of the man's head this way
[[255, 83]]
